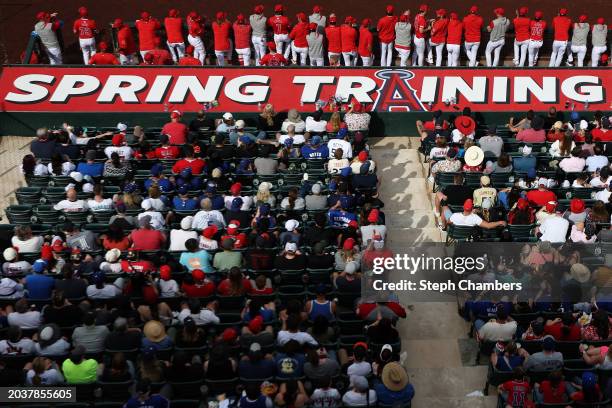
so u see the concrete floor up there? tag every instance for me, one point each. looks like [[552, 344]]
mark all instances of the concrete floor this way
[[439, 352]]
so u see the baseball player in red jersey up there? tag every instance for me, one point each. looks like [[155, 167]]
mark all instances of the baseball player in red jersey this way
[[366, 41], [86, 29], [259, 24], [521, 36], [161, 56], [439, 30], [348, 36], [188, 59], [147, 27], [103, 57], [174, 33], [195, 28], [299, 44], [472, 25], [561, 27], [453, 40], [281, 27], [421, 29], [386, 35], [273, 58], [536, 37], [242, 40], [497, 37], [125, 42], [334, 38], [221, 32]]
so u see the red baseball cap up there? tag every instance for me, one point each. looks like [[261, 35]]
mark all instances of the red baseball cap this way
[[563, 11], [499, 11], [312, 26], [362, 156], [42, 15], [583, 18], [423, 8], [389, 9], [145, 15], [271, 45], [468, 205], [538, 14], [259, 9], [229, 335], [576, 205], [240, 18], [175, 114], [523, 10], [193, 15], [198, 275], [256, 324], [333, 18], [233, 226], [348, 244], [403, 18], [173, 12], [353, 224], [236, 188], [360, 344], [220, 15], [522, 204], [441, 12], [301, 16], [58, 246], [550, 206], [365, 22], [189, 49], [601, 20], [373, 215], [348, 20], [210, 231], [165, 272], [278, 8], [474, 9], [83, 11], [316, 9], [118, 139], [102, 46], [453, 15], [117, 23]]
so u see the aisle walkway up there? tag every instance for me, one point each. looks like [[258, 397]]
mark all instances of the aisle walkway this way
[[433, 334]]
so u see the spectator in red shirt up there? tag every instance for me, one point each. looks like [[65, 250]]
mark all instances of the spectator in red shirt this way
[[195, 29], [166, 151], [563, 328], [421, 29], [561, 26], [102, 57], [242, 38], [534, 134], [542, 195], [188, 59], [197, 165], [145, 238], [147, 32], [439, 30], [125, 43], [602, 133], [365, 42], [235, 284], [299, 44], [386, 35], [221, 33], [174, 33], [521, 36], [199, 287], [86, 29], [273, 58], [369, 311], [552, 390], [175, 129], [515, 393]]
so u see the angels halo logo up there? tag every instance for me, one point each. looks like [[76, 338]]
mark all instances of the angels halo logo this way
[[395, 93]]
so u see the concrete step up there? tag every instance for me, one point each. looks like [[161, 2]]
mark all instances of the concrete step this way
[[445, 402], [408, 218], [399, 238]]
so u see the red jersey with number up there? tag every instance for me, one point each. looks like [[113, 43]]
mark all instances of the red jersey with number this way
[[561, 26], [517, 392], [242, 36], [137, 266], [298, 34], [196, 165], [103, 58], [279, 24], [168, 152], [521, 28], [147, 33], [189, 61], [221, 32], [420, 23], [194, 28], [84, 28], [365, 42], [174, 29], [439, 30], [125, 40], [454, 32], [472, 24], [348, 37], [536, 30], [273, 60], [386, 28], [334, 39]]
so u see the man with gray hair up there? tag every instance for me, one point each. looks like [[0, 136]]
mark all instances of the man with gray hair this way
[[207, 216], [316, 201], [42, 147], [122, 337]]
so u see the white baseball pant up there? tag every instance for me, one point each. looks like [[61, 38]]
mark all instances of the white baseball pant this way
[[301, 51], [88, 48], [471, 49], [418, 56], [556, 57], [244, 56], [404, 56], [283, 44], [596, 54], [494, 47], [199, 51], [350, 58], [439, 47], [386, 54], [580, 51], [316, 62], [366, 61], [534, 49], [128, 59], [259, 44], [55, 55], [177, 50], [453, 50], [520, 52]]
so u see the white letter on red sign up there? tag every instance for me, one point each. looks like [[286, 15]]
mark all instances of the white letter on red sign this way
[[251, 94], [27, 83], [312, 86], [525, 86], [346, 90], [158, 89], [191, 84], [592, 93], [477, 93], [124, 86], [66, 87], [429, 89]]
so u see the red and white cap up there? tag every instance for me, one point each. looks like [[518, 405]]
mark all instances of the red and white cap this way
[[83, 11]]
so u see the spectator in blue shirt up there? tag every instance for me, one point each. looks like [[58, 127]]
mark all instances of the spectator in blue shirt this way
[[145, 399], [341, 217], [38, 285], [526, 162], [155, 337], [314, 149], [90, 167], [256, 365], [290, 362], [395, 387], [182, 202], [195, 258]]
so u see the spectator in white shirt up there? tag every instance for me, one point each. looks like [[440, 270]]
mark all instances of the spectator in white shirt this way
[[597, 161], [574, 163], [168, 287], [360, 394], [179, 236], [603, 180], [157, 219], [13, 266], [201, 316], [235, 190], [314, 123], [44, 372], [119, 145], [15, 343], [51, 342], [98, 202], [71, 203], [502, 328], [335, 165], [207, 216], [467, 218], [31, 166], [292, 332], [340, 142], [359, 366], [25, 241], [24, 317], [60, 166], [298, 139], [553, 229], [293, 119], [101, 290]]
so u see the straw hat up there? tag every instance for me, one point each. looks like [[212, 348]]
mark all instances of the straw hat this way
[[580, 273], [154, 331], [474, 156], [394, 377]]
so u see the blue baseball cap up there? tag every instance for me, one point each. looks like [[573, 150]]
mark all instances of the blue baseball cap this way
[[157, 169], [184, 189], [130, 188], [98, 277], [195, 183], [211, 187], [345, 172], [342, 133], [316, 140], [333, 186], [186, 172], [236, 204], [264, 209], [245, 139], [345, 202], [165, 185], [39, 266], [365, 168], [588, 379]]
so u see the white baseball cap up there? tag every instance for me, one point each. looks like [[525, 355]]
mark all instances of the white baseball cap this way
[[112, 255], [122, 127], [290, 247], [239, 123], [10, 254], [291, 225], [228, 116], [76, 176], [186, 222]]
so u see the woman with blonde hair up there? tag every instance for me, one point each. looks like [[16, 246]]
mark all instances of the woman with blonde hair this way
[[334, 123], [43, 372], [264, 195], [157, 201], [269, 120], [294, 118]]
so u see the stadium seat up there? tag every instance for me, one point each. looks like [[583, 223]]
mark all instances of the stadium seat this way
[[116, 391]]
